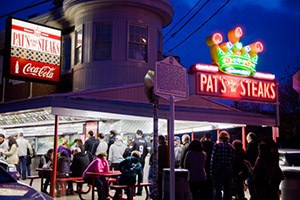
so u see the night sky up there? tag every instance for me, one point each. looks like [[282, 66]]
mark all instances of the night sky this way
[[273, 22]]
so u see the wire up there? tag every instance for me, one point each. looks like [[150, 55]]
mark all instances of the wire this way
[[25, 8], [173, 34], [182, 18], [205, 22]]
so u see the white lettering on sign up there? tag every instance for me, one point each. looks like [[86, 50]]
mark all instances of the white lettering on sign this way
[[45, 71], [30, 41]]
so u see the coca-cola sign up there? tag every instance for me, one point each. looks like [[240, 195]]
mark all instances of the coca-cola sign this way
[[34, 51], [34, 70]]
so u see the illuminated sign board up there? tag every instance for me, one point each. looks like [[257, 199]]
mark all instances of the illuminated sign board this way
[[211, 82], [232, 57], [33, 52]]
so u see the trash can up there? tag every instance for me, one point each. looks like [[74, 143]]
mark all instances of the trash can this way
[[182, 190], [290, 185]]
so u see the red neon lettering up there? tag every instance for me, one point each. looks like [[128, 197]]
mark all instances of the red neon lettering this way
[[203, 81]]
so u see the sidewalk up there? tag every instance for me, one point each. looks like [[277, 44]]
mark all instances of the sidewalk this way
[[37, 184]]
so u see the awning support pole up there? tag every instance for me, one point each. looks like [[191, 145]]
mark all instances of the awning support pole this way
[[53, 175], [244, 137]]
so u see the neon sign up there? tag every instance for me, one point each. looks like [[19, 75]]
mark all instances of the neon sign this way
[[232, 57], [210, 82]]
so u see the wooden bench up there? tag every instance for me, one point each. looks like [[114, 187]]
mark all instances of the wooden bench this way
[[63, 181], [119, 189], [32, 178]]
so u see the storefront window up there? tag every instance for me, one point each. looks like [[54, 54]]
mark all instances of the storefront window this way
[[44, 144], [103, 41], [138, 42]]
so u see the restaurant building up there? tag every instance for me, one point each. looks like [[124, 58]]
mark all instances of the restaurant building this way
[[81, 67], [106, 49]]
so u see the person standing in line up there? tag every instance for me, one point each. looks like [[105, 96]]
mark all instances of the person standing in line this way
[[88, 145], [23, 146], [116, 152], [12, 151], [139, 144], [241, 171], [208, 144], [267, 174], [251, 156], [111, 139], [163, 161], [195, 160], [29, 160], [100, 145], [177, 151], [3, 146], [222, 166], [185, 144]]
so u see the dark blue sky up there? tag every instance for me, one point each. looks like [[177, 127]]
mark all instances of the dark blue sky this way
[[274, 22]]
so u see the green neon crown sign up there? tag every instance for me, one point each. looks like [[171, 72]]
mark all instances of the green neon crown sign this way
[[232, 57]]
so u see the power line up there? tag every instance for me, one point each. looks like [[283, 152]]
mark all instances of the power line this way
[[173, 34], [25, 8], [182, 18], [205, 22]]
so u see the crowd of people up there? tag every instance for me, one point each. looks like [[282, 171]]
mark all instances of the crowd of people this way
[[218, 170], [223, 169]]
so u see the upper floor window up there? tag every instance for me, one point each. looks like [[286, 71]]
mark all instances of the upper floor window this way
[[78, 45], [103, 41], [138, 42]]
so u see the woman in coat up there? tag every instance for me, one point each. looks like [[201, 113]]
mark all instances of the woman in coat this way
[[11, 154]]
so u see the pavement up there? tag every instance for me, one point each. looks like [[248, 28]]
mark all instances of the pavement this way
[[37, 184]]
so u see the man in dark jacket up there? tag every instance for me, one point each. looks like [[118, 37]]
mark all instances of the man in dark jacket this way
[[139, 144], [80, 162], [88, 145], [251, 156], [130, 168]]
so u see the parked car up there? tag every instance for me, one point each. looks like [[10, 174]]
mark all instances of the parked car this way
[[289, 158], [11, 169], [11, 189], [289, 161]]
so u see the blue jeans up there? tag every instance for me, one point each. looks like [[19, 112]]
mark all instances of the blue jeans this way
[[21, 167]]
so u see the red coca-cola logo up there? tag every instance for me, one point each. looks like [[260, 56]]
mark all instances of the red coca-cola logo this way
[[34, 70], [44, 72]]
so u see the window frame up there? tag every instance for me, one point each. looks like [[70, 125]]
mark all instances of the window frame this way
[[105, 42], [78, 58], [137, 43]]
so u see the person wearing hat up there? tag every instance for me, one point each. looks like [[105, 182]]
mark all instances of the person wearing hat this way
[[139, 144], [222, 166], [116, 152], [177, 151]]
